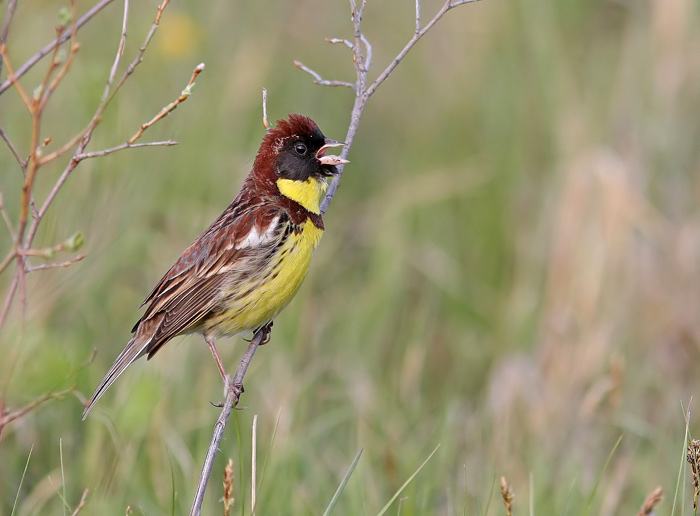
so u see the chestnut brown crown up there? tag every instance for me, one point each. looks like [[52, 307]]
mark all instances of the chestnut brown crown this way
[[294, 149]]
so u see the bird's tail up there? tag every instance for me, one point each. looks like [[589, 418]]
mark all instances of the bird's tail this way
[[135, 348]]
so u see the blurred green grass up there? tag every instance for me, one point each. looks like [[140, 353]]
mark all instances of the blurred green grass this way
[[510, 269]]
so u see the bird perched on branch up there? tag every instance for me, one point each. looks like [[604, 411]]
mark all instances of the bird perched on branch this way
[[246, 267]]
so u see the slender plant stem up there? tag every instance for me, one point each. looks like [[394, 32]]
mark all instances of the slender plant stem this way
[[234, 389]]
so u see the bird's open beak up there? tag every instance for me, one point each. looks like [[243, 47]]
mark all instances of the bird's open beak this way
[[330, 159]]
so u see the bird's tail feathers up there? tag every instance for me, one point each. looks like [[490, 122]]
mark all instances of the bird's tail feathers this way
[[135, 348]]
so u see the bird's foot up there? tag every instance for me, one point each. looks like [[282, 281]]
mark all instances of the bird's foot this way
[[237, 389], [265, 330]]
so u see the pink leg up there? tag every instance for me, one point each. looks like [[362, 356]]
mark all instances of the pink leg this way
[[215, 353]]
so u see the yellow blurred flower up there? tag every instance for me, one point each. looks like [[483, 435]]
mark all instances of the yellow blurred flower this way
[[179, 35]]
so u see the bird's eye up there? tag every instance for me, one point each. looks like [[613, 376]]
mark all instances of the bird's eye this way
[[300, 149]]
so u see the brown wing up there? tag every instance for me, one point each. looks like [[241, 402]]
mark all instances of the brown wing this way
[[191, 288], [189, 291]]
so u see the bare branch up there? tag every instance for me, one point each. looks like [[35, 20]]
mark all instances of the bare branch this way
[[265, 121], [81, 504], [417, 16], [83, 138], [26, 230], [11, 291], [123, 146], [340, 41], [22, 163], [448, 5], [142, 50], [10, 416], [56, 42], [6, 22], [120, 49], [6, 219], [170, 107], [362, 61], [7, 261], [13, 78], [234, 389], [56, 265], [320, 80]]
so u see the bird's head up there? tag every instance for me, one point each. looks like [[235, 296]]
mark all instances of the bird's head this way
[[293, 155]]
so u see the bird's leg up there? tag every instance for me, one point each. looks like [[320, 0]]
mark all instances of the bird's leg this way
[[215, 353]]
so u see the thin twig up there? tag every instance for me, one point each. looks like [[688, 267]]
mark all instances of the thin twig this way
[[7, 261], [123, 146], [6, 219], [7, 21], [22, 163], [56, 265], [11, 291], [13, 78], [417, 16], [120, 48], [253, 464], [85, 136], [26, 231], [184, 95], [234, 389], [265, 121], [447, 6], [340, 41], [320, 80], [10, 416], [38, 56], [81, 504], [362, 60]]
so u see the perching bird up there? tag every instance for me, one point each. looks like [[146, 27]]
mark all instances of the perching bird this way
[[246, 267]]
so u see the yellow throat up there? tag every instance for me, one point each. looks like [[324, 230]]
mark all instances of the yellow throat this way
[[308, 193]]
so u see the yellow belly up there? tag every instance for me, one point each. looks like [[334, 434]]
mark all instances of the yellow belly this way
[[270, 290]]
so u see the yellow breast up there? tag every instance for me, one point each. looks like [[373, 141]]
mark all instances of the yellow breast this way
[[271, 289]]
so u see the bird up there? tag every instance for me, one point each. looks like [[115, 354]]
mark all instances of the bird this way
[[249, 263]]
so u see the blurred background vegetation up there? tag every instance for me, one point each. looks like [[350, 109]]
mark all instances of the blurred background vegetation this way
[[511, 269]]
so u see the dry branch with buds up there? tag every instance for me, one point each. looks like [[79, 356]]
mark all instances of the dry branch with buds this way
[[362, 60], [32, 210], [30, 217]]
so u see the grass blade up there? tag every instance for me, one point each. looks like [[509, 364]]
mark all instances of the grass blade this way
[[63, 474], [681, 466], [397, 493], [21, 481], [343, 483], [591, 497], [271, 447]]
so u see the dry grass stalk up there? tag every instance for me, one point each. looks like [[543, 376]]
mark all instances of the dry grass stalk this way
[[81, 503], [652, 500], [228, 488], [507, 496], [694, 461]]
